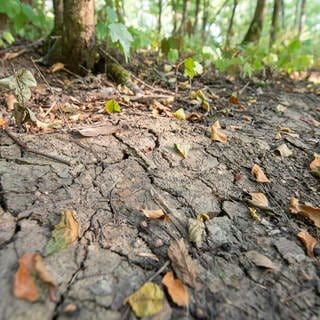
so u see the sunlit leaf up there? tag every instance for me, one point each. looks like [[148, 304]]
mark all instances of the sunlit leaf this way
[[64, 233], [147, 301], [305, 210], [119, 33], [56, 67], [154, 214], [253, 213], [112, 106], [259, 199], [176, 289], [216, 134], [182, 149], [189, 67], [284, 151], [259, 174], [308, 241], [179, 114]]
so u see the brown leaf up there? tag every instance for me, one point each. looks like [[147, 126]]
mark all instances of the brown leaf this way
[[308, 241], [259, 174], [259, 199], [234, 100], [284, 151], [154, 214], [306, 211], [260, 260], [10, 101], [56, 67], [183, 265], [31, 268], [216, 134], [98, 130], [315, 164], [177, 290]]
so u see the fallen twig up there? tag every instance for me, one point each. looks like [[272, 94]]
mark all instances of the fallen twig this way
[[30, 150]]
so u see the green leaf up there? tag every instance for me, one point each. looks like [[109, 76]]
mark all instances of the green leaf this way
[[112, 15], [173, 55], [112, 106], [6, 35], [20, 84], [119, 33], [189, 68]]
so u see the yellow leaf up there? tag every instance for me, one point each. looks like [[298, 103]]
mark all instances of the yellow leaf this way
[[176, 289], [64, 233], [308, 241], [203, 217], [216, 134], [56, 67], [153, 214], [254, 215], [259, 174], [147, 301], [179, 114], [205, 105], [182, 149]]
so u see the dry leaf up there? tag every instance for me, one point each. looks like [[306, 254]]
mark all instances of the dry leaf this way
[[56, 67], [176, 289], [147, 301], [196, 229], [99, 130], [253, 214], [183, 265], [259, 200], [179, 114], [306, 211], [308, 241], [259, 174], [234, 100], [31, 271], [284, 151], [10, 101], [154, 214], [182, 149], [315, 164], [216, 134], [64, 233], [3, 123], [260, 260]]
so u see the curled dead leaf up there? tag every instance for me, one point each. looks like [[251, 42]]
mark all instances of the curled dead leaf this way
[[259, 174], [196, 228], [260, 260], [259, 200], [64, 233], [154, 214], [284, 151], [184, 266], [315, 164], [216, 134], [182, 149], [31, 278], [176, 289], [56, 67], [305, 210], [308, 241]]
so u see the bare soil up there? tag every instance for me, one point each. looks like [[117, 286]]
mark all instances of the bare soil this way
[[133, 166]]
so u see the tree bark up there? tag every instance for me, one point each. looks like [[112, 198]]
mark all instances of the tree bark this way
[[301, 17], [229, 32], [160, 15], [254, 31], [275, 21], [204, 20], [76, 42], [196, 17], [182, 27]]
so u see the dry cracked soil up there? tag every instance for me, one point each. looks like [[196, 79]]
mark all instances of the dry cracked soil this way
[[114, 177]]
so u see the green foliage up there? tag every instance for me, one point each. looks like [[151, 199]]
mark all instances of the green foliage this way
[[112, 106], [24, 21], [192, 68]]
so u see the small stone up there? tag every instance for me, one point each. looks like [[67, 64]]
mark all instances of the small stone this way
[[158, 243], [290, 251]]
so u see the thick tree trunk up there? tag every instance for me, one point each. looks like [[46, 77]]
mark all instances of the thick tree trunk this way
[[254, 31], [75, 45], [275, 20]]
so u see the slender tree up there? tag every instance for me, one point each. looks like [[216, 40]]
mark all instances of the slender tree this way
[[182, 27], [255, 28], [160, 5], [205, 16], [301, 17], [196, 17], [229, 32], [275, 21]]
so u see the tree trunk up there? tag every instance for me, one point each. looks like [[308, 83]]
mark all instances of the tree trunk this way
[[204, 20], [301, 17], [196, 17], [275, 20], [75, 46], [4, 25], [229, 32], [182, 27], [58, 18], [160, 15], [254, 31]]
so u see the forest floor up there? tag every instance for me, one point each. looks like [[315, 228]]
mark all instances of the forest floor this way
[[239, 257]]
